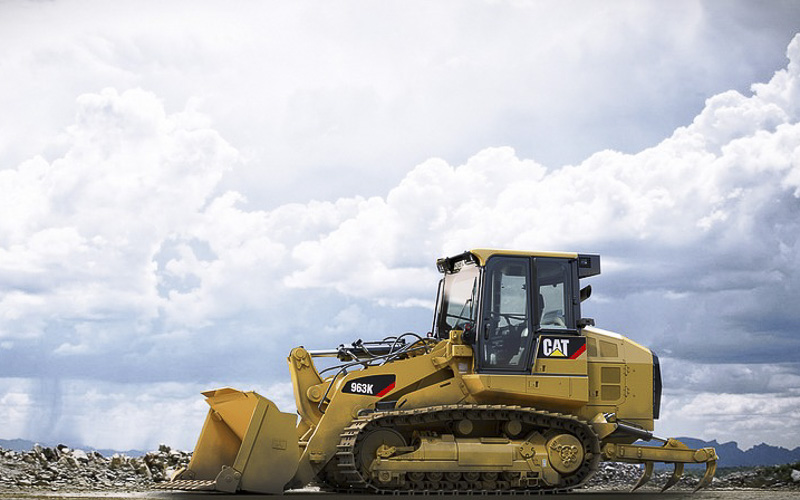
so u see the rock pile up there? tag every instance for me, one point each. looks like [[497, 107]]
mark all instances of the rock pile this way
[[64, 468], [773, 477], [614, 476], [621, 476]]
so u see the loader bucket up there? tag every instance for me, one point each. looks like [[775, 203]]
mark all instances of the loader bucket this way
[[246, 444]]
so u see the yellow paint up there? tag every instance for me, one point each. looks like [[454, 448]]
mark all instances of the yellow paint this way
[[483, 254]]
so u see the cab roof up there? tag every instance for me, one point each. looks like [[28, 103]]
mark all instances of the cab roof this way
[[588, 264], [483, 254]]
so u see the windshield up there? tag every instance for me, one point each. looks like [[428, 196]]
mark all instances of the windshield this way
[[459, 301]]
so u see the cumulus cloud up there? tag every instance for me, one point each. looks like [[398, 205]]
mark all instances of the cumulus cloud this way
[[80, 232], [125, 260], [748, 419], [703, 224], [303, 89], [689, 378]]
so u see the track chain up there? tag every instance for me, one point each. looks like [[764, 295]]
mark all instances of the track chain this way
[[350, 479]]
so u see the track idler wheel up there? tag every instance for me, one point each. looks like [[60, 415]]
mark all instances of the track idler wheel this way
[[565, 452], [378, 441]]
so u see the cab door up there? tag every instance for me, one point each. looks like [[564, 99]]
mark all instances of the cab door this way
[[505, 339]]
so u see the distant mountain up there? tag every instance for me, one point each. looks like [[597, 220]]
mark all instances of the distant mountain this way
[[16, 444], [25, 445], [730, 455]]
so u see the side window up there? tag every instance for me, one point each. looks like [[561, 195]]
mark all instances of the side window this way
[[554, 281], [506, 333], [458, 307]]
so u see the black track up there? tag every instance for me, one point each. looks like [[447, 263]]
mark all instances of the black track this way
[[343, 474]]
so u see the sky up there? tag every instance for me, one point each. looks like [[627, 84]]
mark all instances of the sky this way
[[188, 190]]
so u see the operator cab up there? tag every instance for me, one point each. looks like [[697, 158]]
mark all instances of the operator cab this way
[[504, 300]]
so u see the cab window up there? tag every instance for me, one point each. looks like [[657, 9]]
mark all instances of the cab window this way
[[459, 301], [554, 286], [505, 336]]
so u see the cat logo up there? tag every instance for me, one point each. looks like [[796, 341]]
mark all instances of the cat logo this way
[[561, 346], [555, 347]]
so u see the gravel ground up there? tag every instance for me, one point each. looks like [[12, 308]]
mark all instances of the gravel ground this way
[[67, 473], [742, 494]]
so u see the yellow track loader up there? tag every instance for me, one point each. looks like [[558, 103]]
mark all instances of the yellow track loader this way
[[512, 390]]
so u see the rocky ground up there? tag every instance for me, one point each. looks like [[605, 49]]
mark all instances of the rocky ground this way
[[65, 469], [62, 468]]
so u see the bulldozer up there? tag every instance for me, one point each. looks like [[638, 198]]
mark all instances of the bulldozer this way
[[512, 390]]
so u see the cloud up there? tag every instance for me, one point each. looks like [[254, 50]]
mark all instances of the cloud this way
[[132, 258], [748, 419], [109, 415], [17, 401], [718, 201], [124, 260], [303, 90], [81, 231], [688, 378]]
